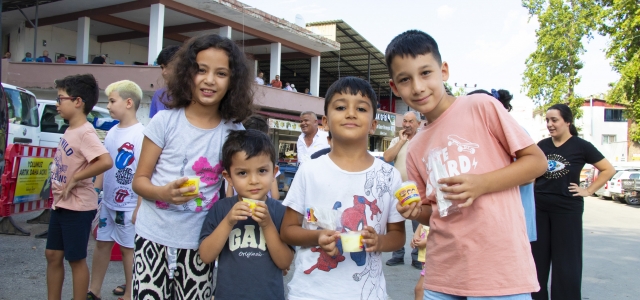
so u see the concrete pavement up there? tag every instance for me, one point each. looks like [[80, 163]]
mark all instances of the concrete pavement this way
[[611, 259]]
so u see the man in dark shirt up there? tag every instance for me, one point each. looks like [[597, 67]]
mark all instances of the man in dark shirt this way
[[99, 60], [44, 58]]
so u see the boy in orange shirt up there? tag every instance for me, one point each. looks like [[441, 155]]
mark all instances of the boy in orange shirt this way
[[80, 156], [482, 250]]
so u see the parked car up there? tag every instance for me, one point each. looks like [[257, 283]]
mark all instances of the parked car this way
[[615, 184], [604, 192], [52, 126], [23, 115], [631, 191]]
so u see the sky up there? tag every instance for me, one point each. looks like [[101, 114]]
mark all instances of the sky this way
[[484, 42]]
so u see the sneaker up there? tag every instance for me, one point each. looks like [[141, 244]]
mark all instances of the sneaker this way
[[395, 261], [416, 264]]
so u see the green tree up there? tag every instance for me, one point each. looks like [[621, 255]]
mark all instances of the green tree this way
[[622, 26], [459, 91], [551, 72]]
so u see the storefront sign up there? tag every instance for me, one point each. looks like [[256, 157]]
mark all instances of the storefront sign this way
[[33, 181], [284, 125], [386, 124]]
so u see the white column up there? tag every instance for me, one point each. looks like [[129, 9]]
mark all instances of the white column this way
[[156, 27], [82, 41], [314, 80], [276, 59], [225, 31], [256, 68]]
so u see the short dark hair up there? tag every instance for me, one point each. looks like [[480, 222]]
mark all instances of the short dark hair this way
[[411, 43], [251, 141], [351, 85], [503, 96], [256, 122], [237, 104], [166, 55], [83, 86]]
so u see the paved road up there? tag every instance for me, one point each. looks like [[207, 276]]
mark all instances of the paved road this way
[[611, 259]]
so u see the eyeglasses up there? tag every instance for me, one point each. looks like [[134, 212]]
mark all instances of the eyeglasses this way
[[59, 99]]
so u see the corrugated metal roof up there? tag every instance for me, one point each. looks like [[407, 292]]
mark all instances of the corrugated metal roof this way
[[351, 60]]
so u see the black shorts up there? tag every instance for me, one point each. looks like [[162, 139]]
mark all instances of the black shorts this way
[[69, 231]]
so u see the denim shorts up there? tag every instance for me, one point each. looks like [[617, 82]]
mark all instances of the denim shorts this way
[[431, 295], [69, 231]]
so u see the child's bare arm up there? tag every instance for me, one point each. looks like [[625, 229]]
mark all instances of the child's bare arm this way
[[171, 192], [416, 234], [99, 181], [135, 211], [531, 163], [391, 241], [421, 243], [96, 167], [212, 245], [292, 233], [280, 252], [416, 211]]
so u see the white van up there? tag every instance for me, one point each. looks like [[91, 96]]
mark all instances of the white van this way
[[24, 123], [52, 126]]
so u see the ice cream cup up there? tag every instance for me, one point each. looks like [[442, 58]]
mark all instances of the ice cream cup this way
[[351, 241], [252, 203], [407, 193], [192, 181]]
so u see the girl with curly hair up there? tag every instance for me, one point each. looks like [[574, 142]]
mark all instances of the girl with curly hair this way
[[179, 175]]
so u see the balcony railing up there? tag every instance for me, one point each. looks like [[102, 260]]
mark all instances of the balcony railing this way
[[149, 78]]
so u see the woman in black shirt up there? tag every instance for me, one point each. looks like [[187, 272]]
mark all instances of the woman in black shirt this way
[[560, 204]]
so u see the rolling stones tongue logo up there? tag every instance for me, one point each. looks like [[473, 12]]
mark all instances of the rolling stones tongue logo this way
[[121, 195]]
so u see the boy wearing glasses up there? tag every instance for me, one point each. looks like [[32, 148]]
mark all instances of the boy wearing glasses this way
[[80, 156]]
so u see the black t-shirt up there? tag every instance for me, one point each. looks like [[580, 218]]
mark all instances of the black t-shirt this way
[[245, 268], [564, 166]]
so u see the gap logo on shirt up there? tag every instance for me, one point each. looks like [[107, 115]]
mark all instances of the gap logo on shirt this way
[[245, 240]]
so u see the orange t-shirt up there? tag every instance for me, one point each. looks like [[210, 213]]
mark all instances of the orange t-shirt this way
[[276, 83], [77, 148], [484, 249]]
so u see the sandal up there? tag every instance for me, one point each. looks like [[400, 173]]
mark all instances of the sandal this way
[[92, 296], [119, 290]]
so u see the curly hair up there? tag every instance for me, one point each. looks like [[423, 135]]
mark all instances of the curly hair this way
[[237, 103], [83, 86]]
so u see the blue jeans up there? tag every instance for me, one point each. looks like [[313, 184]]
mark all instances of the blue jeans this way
[[431, 295]]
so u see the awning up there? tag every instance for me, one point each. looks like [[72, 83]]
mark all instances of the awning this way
[[282, 116]]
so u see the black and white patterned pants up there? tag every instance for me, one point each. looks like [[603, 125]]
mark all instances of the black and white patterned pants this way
[[192, 279]]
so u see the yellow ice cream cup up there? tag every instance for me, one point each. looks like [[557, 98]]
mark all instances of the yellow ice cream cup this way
[[407, 193], [252, 203], [192, 181], [351, 241]]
